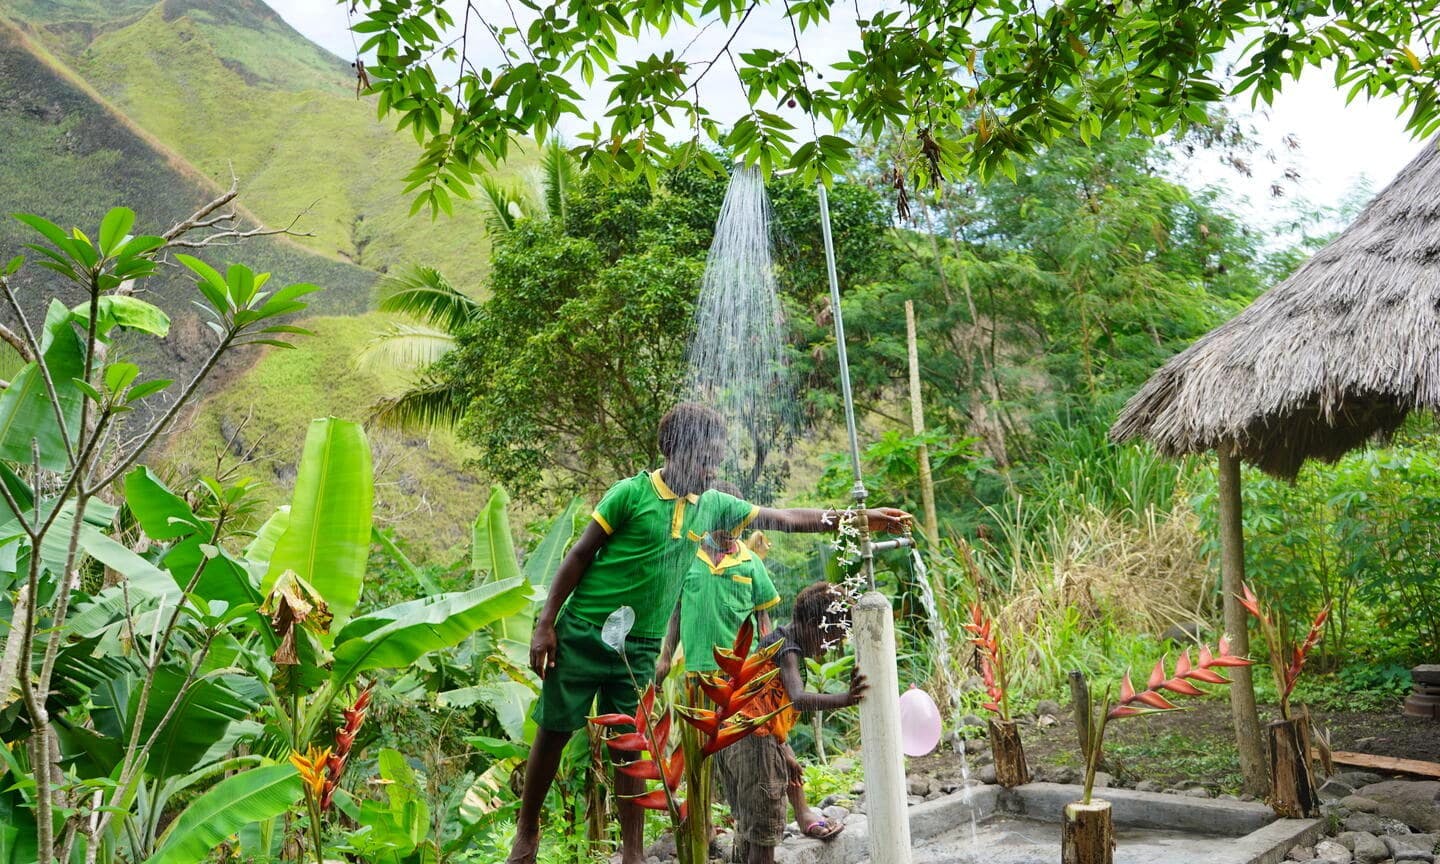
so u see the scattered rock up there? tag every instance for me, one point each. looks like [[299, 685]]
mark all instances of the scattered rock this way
[[976, 745], [1148, 786], [1226, 796], [1359, 804], [1046, 720], [1393, 827], [1184, 632], [1411, 847], [835, 813], [1366, 822], [1047, 706], [1247, 797], [913, 800], [935, 793], [918, 785], [1300, 853], [1335, 789], [843, 764], [1196, 792], [1061, 775], [828, 800], [1103, 780], [1330, 851], [972, 720], [663, 848], [949, 786], [986, 774], [1364, 846], [1408, 801], [857, 789], [1357, 779], [1369, 849]]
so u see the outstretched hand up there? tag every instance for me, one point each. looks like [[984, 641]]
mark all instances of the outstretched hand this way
[[890, 519]]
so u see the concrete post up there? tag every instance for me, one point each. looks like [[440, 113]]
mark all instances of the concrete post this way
[[886, 794]]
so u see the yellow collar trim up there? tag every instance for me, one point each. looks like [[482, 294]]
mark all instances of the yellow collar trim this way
[[730, 559], [665, 492]]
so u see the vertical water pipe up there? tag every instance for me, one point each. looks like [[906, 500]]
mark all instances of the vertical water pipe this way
[[874, 633]]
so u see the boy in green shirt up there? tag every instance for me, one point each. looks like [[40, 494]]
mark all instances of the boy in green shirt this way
[[634, 552]]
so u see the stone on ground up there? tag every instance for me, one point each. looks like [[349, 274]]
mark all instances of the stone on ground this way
[[1410, 802]]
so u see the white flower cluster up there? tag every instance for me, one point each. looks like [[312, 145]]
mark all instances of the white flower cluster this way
[[847, 555]]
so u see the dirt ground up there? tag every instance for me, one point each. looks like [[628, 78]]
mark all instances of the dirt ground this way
[[1197, 745]]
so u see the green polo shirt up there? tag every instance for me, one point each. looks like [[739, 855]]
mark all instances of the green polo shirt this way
[[716, 599], [651, 546]]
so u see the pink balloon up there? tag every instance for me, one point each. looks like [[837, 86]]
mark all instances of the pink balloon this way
[[919, 722]]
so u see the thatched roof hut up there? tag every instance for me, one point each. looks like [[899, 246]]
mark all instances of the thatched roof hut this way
[[1336, 354]]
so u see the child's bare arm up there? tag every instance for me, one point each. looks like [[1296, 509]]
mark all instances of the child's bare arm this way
[[811, 521], [542, 641], [803, 699]]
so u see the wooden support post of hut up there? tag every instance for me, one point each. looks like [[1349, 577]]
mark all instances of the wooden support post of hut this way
[[1336, 355], [1243, 713]]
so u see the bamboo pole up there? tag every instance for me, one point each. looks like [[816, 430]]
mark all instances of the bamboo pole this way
[[917, 424], [1248, 740]]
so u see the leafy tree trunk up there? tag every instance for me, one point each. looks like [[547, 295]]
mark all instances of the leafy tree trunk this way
[[1248, 741]]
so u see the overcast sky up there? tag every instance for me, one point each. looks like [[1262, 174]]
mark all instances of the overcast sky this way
[[1339, 144]]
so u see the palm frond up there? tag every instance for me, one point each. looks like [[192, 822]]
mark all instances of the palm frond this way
[[507, 205], [559, 168], [430, 404], [423, 293], [405, 346]]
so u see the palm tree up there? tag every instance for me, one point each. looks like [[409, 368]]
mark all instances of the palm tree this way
[[439, 311]]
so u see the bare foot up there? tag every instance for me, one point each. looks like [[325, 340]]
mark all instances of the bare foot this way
[[524, 847]]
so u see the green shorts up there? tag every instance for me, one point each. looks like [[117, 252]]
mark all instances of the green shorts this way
[[585, 667]]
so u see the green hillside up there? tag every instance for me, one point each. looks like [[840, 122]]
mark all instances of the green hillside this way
[[229, 86], [151, 104]]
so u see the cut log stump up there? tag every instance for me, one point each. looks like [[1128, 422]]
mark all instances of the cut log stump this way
[[1292, 792], [1087, 834], [1009, 753]]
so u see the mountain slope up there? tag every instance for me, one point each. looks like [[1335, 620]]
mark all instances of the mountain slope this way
[[229, 86], [149, 104]]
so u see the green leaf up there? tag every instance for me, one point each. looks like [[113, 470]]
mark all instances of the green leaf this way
[[211, 283], [26, 412], [510, 702], [424, 580], [208, 721], [163, 514], [119, 375], [327, 541], [544, 560], [399, 635], [148, 388], [232, 804], [113, 228], [492, 549]]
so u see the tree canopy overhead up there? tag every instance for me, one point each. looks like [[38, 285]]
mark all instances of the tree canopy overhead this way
[[969, 84]]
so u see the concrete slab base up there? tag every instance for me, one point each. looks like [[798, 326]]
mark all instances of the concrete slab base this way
[[1021, 826]]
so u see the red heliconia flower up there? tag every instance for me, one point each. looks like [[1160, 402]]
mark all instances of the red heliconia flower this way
[[1297, 660], [344, 740], [743, 677], [1150, 700], [992, 664]]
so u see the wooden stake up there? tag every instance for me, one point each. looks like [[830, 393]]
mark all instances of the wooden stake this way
[[917, 425], [1009, 753], [1087, 834], [1232, 577], [1080, 703], [1293, 794]]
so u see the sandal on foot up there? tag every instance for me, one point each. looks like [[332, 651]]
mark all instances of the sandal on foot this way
[[822, 829]]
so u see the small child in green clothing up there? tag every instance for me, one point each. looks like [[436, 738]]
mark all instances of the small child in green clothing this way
[[725, 585], [635, 552]]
